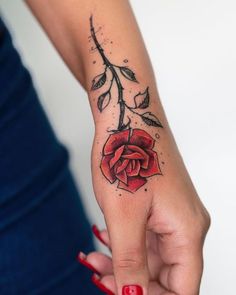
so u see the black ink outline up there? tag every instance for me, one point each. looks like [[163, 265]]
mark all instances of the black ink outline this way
[[130, 134], [100, 80], [129, 75]]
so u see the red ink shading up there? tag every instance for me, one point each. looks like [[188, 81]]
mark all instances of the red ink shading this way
[[128, 158]]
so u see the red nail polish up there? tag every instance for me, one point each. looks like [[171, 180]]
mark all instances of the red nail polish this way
[[97, 234], [96, 281], [132, 290], [81, 258]]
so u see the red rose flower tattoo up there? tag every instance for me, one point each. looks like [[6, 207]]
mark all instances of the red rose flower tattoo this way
[[128, 157]]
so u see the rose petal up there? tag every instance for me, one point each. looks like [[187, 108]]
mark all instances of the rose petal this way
[[117, 164], [153, 165], [122, 166], [134, 183], [142, 139], [117, 155], [133, 164], [144, 161], [135, 170], [115, 140], [129, 167], [122, 176], [107, 172], [133, 156]]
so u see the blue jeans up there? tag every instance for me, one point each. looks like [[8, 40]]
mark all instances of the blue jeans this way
[[42, 221]]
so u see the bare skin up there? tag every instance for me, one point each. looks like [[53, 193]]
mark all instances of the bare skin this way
[[156, 230]]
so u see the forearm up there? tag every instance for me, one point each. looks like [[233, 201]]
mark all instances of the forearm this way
[[67, 24]]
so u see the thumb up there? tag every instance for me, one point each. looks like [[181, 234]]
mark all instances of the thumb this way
[[126, 225]]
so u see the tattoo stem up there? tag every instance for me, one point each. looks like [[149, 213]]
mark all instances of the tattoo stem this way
[[111, 67]]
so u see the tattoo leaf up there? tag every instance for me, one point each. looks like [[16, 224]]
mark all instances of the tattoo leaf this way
[[151, 120], [99, 81], [103, 100], [141, 100], [128, 74]]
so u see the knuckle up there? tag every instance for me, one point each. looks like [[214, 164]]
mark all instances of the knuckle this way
[[130, 259], [197, 228], [207, 223], [204, 222]]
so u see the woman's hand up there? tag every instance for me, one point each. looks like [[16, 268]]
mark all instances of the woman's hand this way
[[171, 262], [155, 220], [156, 235]]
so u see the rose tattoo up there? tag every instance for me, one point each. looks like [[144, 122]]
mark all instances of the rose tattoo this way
[[128, 157]]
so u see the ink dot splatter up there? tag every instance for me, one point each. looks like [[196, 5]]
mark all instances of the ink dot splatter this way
[[157, 136]]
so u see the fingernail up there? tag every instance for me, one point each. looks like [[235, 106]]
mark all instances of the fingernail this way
[[82, 259], [97, 282], [132, 290], [97, 234]]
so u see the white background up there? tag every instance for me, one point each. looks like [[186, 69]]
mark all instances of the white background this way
[[192, 45]]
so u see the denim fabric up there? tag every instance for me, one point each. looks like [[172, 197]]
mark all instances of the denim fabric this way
[[42, 221]]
